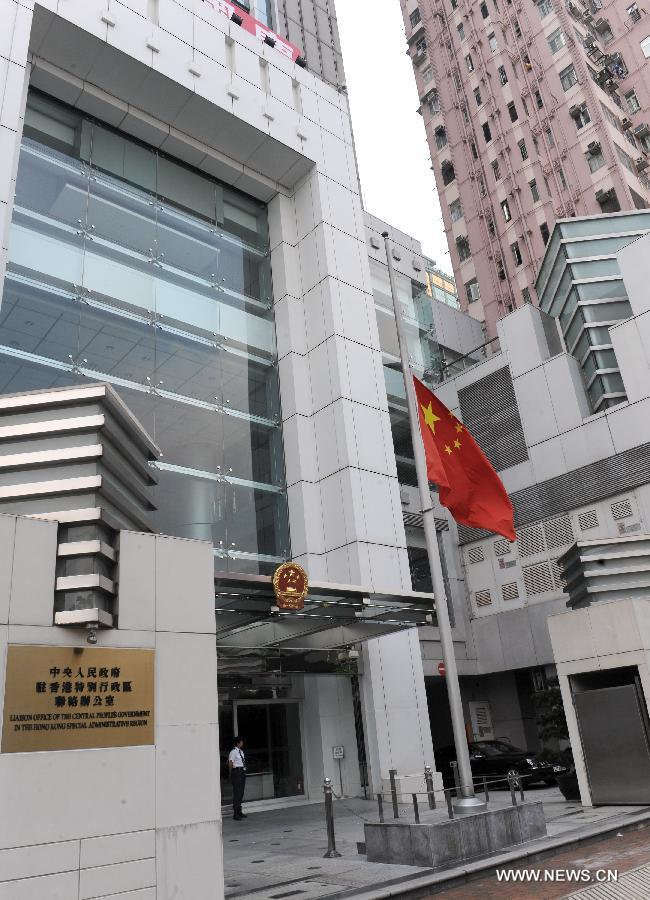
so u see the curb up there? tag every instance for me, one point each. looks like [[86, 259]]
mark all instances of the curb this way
[[420, 886]]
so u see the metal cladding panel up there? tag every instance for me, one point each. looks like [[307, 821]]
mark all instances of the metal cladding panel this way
[[581, 487], [489, 411]]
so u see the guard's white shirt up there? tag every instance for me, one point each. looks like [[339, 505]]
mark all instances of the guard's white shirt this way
[[236, 758]]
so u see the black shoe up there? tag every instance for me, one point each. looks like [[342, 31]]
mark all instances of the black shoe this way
[[238, 818], [243, 816]]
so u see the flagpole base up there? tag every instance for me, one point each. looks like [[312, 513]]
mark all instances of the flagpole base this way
[[467, 806]]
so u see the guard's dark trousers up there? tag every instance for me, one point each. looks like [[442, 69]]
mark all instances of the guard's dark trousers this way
[[238, 778]]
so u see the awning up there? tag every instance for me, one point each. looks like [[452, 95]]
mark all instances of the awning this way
[[335, 616]]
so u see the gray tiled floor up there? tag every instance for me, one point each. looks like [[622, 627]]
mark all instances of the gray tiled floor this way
[[278, 854]]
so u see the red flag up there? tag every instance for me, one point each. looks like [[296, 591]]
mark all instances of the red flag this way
[[467, 484]]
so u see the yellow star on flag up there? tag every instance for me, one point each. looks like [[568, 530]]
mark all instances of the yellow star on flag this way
[[448, 449], [457, 444], [458, 427], [430, 417]]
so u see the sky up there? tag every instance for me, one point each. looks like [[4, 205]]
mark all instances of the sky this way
[[394, 164]]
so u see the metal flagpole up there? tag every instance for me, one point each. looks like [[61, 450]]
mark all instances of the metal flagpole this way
[[467, 802]]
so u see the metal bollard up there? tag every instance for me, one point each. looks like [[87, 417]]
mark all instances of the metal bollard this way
[[521, 789], [393, 792], [416, 810], [485, 789], [511, 785], [428, 780], [332, 852], [450, 808], [380, 804], [454, 769]]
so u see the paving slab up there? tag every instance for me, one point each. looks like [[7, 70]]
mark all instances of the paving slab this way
[[278, 853]]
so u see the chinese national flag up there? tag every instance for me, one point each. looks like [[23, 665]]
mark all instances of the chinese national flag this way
[[467, 484]]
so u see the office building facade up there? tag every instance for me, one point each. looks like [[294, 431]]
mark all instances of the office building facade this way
[[532, 113]]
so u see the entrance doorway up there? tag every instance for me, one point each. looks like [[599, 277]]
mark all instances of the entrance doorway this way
[[273, 748]]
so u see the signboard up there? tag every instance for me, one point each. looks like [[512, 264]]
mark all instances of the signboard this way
[[290, 586], [257, 29], [75, 698], [441, 669], [338, 752]]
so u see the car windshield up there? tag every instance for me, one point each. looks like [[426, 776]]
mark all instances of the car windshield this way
[[495, 748]]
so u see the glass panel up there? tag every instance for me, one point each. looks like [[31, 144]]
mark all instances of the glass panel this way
[[606, 312], [598, 290], [129, 267]]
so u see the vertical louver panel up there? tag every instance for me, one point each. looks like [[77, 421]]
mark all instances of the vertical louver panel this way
[[489, 410], [588, 519], [622, 509], [558, 532], [483, 598], [475, 554]]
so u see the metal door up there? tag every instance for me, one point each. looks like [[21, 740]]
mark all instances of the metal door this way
[[615, 744]]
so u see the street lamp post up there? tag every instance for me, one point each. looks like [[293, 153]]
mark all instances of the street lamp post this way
[[467, 802]]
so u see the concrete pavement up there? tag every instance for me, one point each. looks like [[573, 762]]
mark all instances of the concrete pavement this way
[[278, 854]]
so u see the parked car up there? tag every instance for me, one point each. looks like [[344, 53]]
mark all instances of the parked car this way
[[499, 758]]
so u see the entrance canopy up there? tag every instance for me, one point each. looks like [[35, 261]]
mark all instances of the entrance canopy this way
[[335, 617]]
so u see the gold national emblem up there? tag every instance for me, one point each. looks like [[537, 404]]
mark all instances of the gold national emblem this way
[[290, 585]]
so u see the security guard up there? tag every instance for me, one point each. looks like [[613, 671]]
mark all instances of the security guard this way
[[237, 767]]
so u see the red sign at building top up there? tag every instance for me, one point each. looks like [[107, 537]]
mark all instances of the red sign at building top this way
[[254, 27]]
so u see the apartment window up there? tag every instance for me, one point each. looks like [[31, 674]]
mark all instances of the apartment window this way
[[505, 209], [525, 106], [465, 114], [461, 31], [512, 112], [517, 28], [501, 272], [538, 100], [491, 227], [632, 101], [544, 7], [472, 147], [516, 253], [568, 77], [556, 40], [595, 159], [606, 35], [549, 137], [503, 78], [455, 210], [484, 10], [581, 116], [547, 186], [477, 96], [534, 191], [434, 103], [543, 230], [611, 118], [481, 186], [469, 62], [448, 174], [496, 169], [441, 137], [472, 291], [454, 4], [627, 161], [415, 18], [525, 295], [645, 47], [562, 178], [421, 46], [427, 74], [492, 41], [487, 134], [457, 80], [536, 145], [462, 245], [523, 149]]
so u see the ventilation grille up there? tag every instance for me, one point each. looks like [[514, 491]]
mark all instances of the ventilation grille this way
[[489, 411], [556, 571], [510, 591], [531, 540], [483, 598], [580, 487], [558, 532], [587, 520], [501, 548], [622, 509], [475, 554], [538, 579]]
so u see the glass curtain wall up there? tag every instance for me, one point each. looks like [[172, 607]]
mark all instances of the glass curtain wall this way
[[128, 267]]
